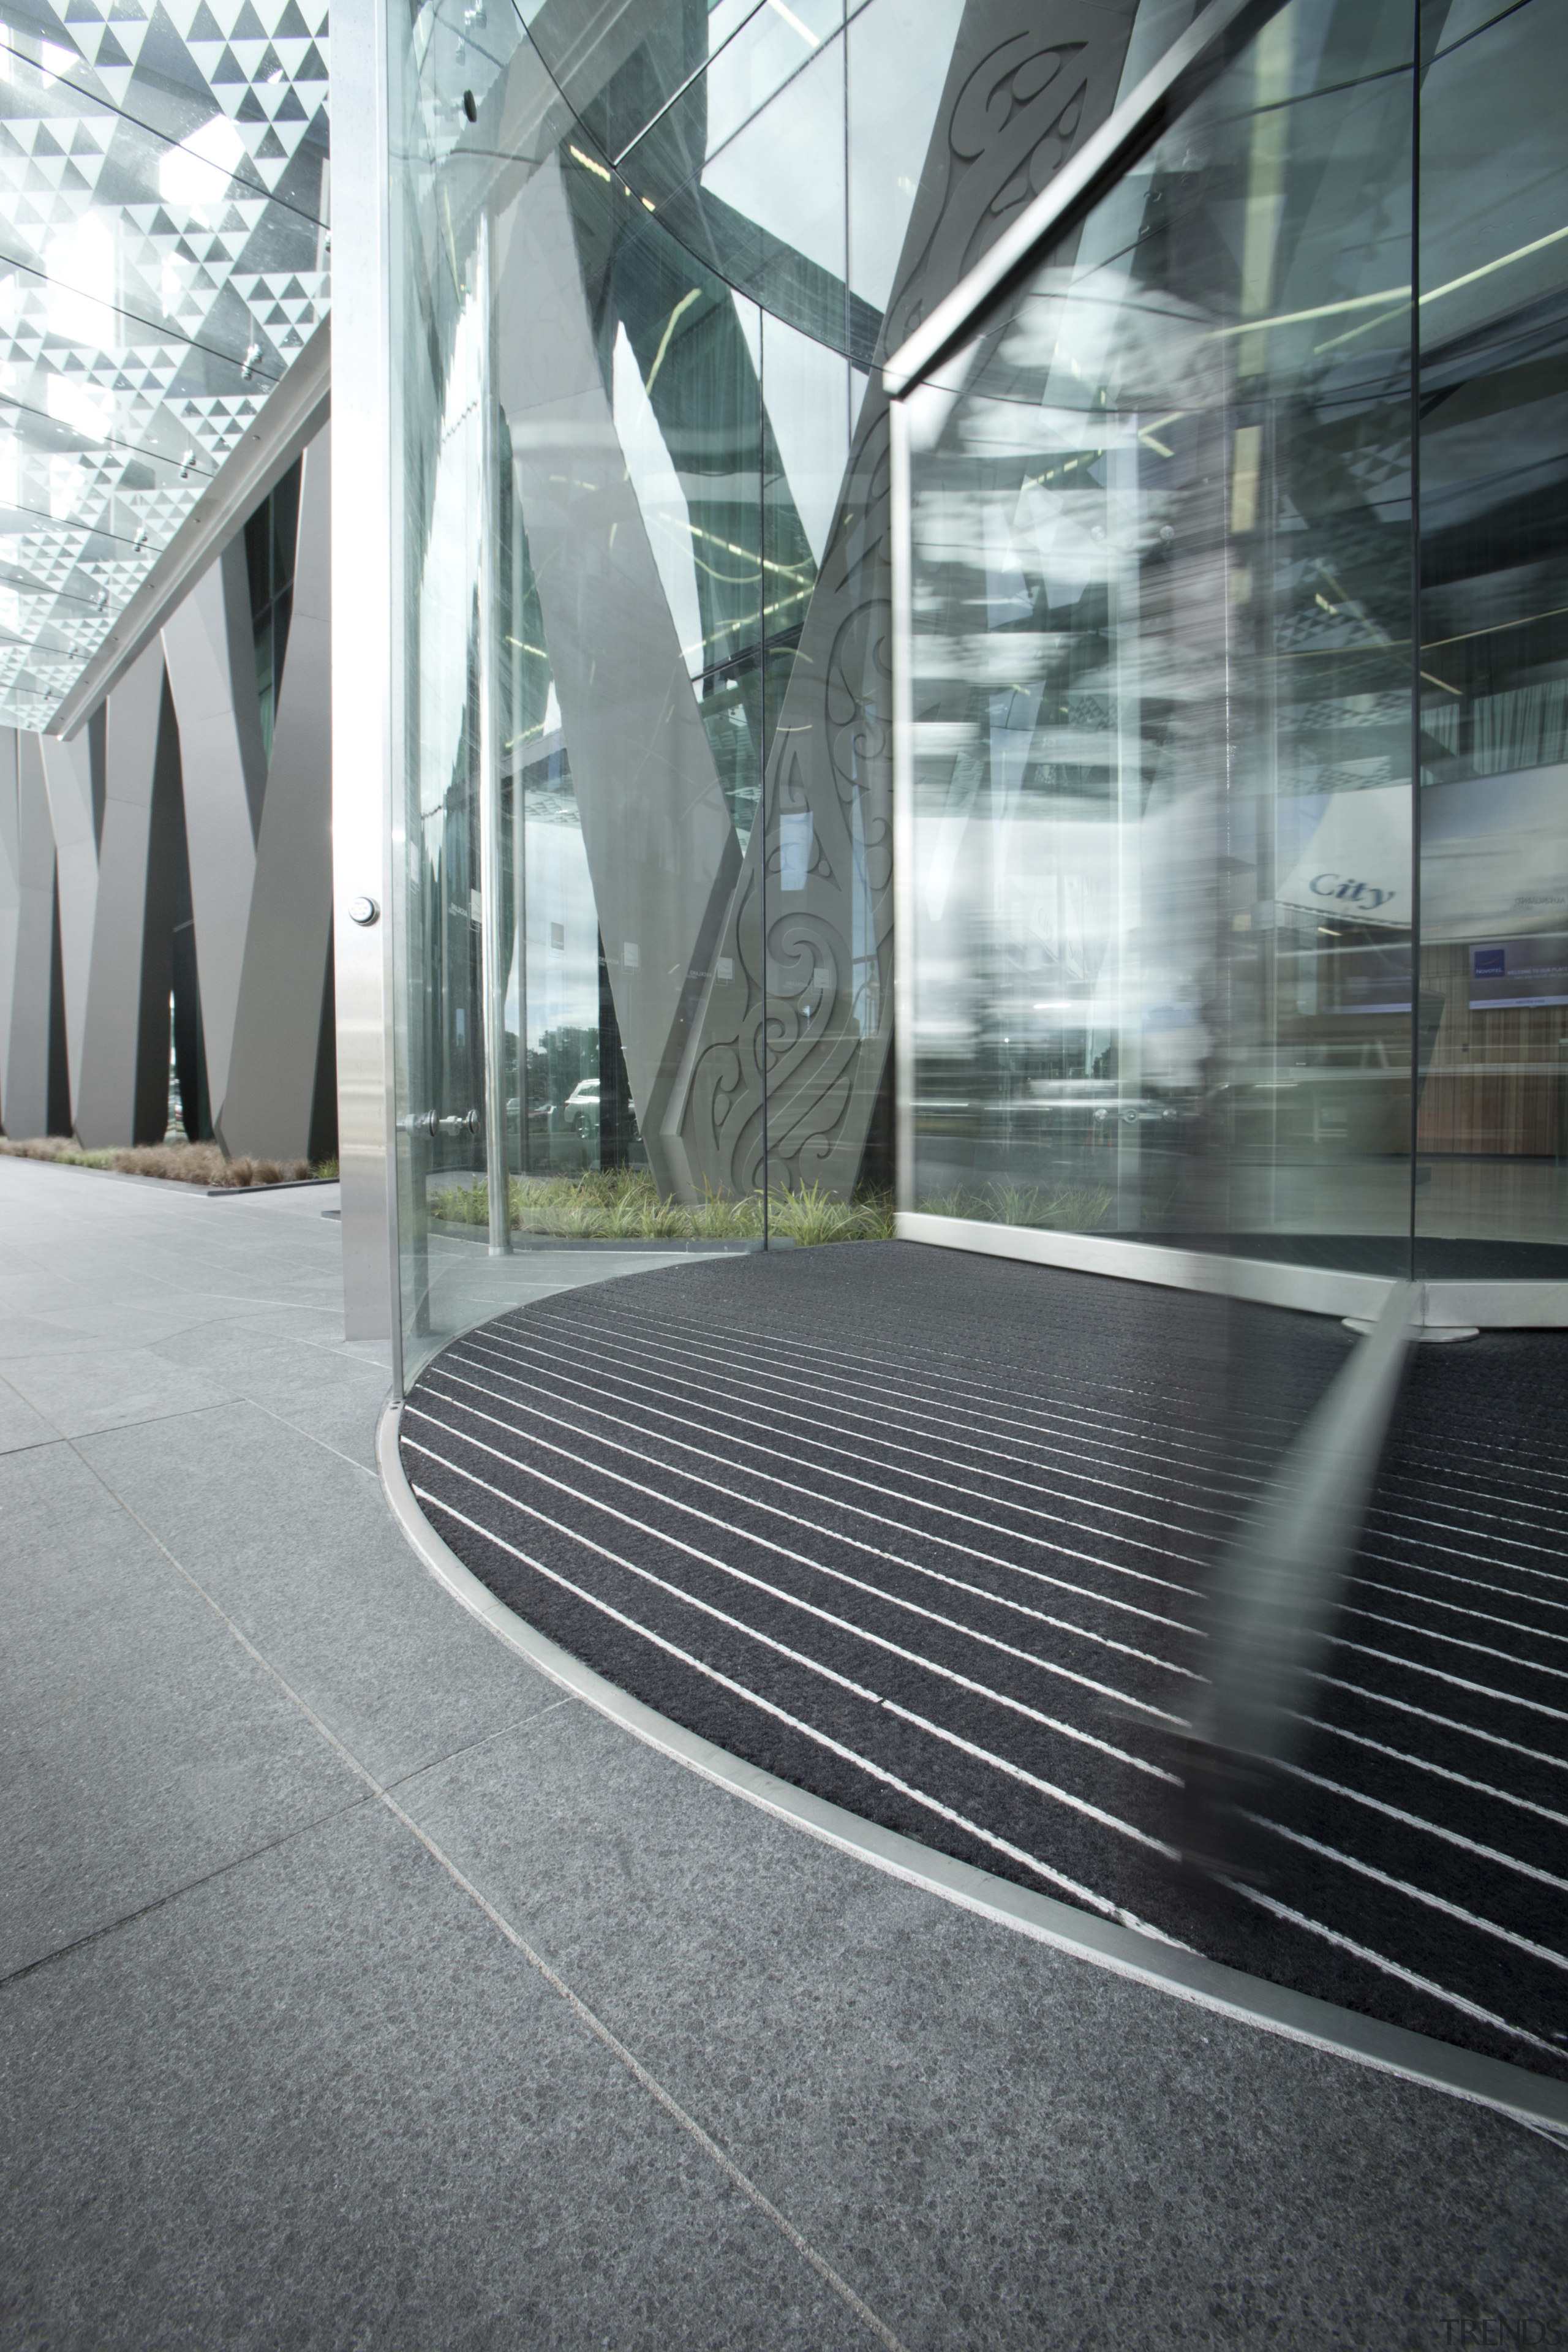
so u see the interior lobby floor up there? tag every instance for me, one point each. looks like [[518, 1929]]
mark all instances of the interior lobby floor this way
[[357, 1988]]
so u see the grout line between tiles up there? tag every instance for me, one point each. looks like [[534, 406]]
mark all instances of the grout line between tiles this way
[[190, 1887], [472, 1747], [284, 1422], [587, 2017]]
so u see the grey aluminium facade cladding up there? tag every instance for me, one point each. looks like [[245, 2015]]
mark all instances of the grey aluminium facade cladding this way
[[90, 849], [10, 893], [295, 412], [73, 789]]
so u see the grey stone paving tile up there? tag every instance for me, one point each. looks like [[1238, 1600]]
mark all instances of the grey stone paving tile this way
[[301, 1324], [321, 2102], [140, 1747], [20, 1423], [307, 2101], [105, 1387], [1002, 2145], [334, 1397], [46, 1491], [225, 1280], [88, 1290], [112, 1302], [24, 1334], [346, 1424], [298, 1547]]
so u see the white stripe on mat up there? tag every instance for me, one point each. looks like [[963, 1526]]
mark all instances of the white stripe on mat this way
[[1482, 1558], [1441, 1772], [793, 1486], [946, 1379], [1412, 1893], [764, 1543], [840, 1422], [1072, 1417], [862, 1511], [1457, 1642], [1064, 1425], [1446, 1722], [1416, 1822], [816, 1665], [1456, 1682], [945, 1510], [1087, 1895], [1470, 1583], [1360, 1648], [1391, 1967]]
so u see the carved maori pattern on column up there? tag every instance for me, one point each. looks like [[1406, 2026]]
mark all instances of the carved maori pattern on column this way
[[1044, 81], [805, 1008], [825, 1003]]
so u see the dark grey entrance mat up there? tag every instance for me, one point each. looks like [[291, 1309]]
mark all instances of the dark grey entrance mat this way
[[928, 1534]]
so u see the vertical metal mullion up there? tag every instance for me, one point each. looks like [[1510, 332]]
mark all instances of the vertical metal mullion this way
[[1414, 612], [1265, 669], [902, 594], [492, 968], [848, 232], [763, 749], [1126, 615], [519, 824], [1223, 940], [367, 670]]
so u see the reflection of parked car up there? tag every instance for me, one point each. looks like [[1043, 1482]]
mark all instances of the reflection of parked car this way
[[1139, 1110], [1101, 1100], [582, 1108]]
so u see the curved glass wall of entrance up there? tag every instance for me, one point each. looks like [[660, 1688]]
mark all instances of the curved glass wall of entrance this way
[[1236, 825], [645, 261], [635, 1000]]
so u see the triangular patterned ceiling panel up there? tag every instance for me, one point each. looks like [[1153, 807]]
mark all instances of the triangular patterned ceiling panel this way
[[162, 260]]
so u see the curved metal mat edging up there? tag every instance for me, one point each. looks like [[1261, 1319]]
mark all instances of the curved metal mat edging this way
[[1531, 2099]]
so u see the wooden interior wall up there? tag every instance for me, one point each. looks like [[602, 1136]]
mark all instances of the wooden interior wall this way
[[1496, 1081]]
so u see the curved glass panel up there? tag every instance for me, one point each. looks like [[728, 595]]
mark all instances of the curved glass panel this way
[[1159, 668], [643, 817], [1192, 958], [643, 925]]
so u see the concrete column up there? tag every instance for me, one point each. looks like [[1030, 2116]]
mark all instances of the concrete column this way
[[107, 1081], [27, 1102], [10, 897], [661, 847], [73, 780], [209, 650], [265, 1109]]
